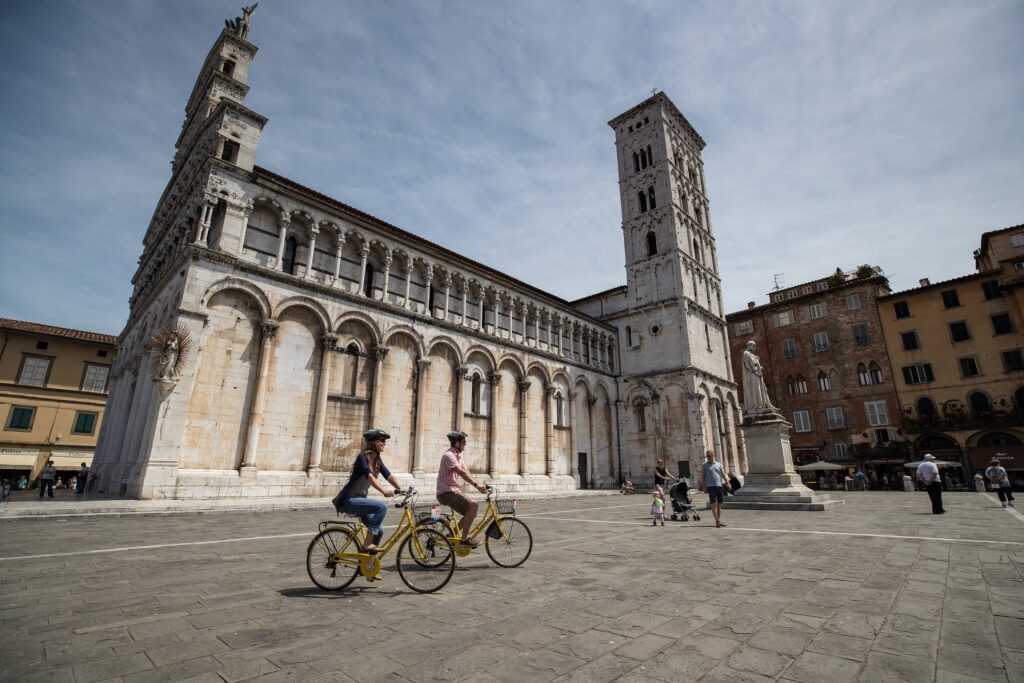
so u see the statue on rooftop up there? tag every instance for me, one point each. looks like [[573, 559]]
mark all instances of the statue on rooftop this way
[[240, 25]]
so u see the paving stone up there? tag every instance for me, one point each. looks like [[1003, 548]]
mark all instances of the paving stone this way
[[855, 624], [786, 641], [645, 647], [602, 670], [1010, 632], [885, 668], [762, 662], [111, 668], [245, 670], [175, 672], [190, 649], [847, 647], [725, 674], [949, 677], [813, 667]]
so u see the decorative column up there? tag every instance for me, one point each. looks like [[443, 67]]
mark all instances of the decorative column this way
[[460, 378], [493, 379], [247, 209], [549, 435], [447, 294], [206, 209], [339, 244], [314, 230], [558, 329], [282, 226], [327, 343], [591, 348], [364, 251], [727, 432], [269, 331], [592, 457], [497, 304], [536, 328], [422, 366], [550, 320], [574, 465], [387, 274], [716, 434], [379, 353], [407, 267], [464, 290], [523, 387]]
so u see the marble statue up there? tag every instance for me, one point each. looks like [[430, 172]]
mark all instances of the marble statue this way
[[755, 393]]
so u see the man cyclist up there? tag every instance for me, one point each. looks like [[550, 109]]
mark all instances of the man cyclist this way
[[366, 472], [449, 490]]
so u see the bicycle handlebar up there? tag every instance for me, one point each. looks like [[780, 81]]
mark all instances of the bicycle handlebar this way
[[407, 493]]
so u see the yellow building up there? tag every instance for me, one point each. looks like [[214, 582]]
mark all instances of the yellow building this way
[[53, 387], [956, 353]]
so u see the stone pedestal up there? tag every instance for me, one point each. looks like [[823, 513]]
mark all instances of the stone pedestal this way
[[771, 482]]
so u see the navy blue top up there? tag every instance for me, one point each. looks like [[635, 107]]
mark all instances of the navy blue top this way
[[358, 482]]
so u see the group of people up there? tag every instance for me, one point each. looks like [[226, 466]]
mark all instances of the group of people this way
[[48, 479], [928, 475], [713, 481], [369, 470]]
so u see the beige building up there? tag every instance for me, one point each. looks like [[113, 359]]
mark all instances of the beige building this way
[[53, 386], [956, 353], [271, 324]]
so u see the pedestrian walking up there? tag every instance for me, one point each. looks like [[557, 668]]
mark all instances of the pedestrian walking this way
[[714, 483], [46, 479], [928, 475], [83, 476], [1000, 481]]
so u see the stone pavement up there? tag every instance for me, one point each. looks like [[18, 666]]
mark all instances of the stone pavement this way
[[876, 590]]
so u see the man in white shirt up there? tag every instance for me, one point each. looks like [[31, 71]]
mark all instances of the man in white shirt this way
[[928, 474]]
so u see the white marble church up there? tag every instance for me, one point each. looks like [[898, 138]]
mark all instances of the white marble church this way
[[270, 325]]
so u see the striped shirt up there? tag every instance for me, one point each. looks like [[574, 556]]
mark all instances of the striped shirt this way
[[447, 477]]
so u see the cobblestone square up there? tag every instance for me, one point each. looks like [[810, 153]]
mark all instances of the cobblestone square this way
[[875, 590]]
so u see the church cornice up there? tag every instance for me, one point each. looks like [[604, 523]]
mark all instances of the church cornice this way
[[660, 98]]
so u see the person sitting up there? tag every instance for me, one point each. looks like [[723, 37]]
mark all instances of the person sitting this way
[[449, 490], [366, 472]]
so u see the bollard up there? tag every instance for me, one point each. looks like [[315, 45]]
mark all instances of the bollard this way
[[979, 483], [908, 483]]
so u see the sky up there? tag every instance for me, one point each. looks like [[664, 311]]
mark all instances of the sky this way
[[838, 133]]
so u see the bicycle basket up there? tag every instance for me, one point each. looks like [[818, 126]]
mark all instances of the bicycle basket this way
[[426, 513], [493, 530], [505, 507]]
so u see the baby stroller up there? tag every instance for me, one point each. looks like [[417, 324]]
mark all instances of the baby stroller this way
[[682, 506]]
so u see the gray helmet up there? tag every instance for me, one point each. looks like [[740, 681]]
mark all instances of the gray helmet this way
[[371, 435], [456, 436]]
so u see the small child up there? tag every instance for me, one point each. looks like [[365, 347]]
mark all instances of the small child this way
[[657, 508]]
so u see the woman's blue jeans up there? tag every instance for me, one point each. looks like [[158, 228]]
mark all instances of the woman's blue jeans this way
[[369, 510]]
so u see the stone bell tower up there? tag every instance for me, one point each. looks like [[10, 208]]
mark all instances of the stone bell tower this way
[[677, 380]]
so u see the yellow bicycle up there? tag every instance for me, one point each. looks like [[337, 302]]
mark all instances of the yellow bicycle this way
[[425, 561], [507, 539]]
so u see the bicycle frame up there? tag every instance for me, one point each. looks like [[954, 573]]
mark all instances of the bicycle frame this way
[[455, 531], [370, 563]]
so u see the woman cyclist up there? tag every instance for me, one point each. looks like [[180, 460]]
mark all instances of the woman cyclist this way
[[366, 472]]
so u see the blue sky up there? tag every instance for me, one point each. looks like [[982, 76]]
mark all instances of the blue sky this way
[[837, 134]]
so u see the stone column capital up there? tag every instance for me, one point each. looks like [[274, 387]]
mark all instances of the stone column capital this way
[[494, 378], [329, 341], [269, 328], [364, 250], [388, 258], [461, 371], [423, 362], [573, 395], [284, 221], [549, 389], [592, 401], [524, 386], [339, 242], [380, 353]]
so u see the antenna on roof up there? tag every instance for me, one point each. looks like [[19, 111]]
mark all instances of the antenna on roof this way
[[779, 284]]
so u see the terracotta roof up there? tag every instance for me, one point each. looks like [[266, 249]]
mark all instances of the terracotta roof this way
[[614, 290], [945, 283], [53, 331], [800, 298]]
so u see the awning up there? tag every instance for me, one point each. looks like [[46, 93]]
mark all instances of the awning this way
[[19, 461]]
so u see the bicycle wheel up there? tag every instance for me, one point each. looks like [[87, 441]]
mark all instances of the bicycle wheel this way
[[320, 564], [426, 561], [508, 541]]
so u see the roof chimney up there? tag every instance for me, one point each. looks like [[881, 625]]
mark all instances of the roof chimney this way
[[751, 304], [924, 282]]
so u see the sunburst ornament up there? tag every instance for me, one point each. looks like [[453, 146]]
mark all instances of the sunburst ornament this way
[[175, 343]]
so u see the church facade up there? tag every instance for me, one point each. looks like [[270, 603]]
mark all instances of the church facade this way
[[270, 325]]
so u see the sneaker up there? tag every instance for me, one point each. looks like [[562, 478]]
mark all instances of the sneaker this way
[[1011, 504], [1003, 504]]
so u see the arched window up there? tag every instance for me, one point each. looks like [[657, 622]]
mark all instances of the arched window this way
[[863, 377], [652, 244], [559, 409], [801, 384], [926, 407], [650, 156], [979, 402], [876, 373], [641, 199], [641, 418], [629, 335], [693, 177], [368, 280], [999, 439], [791, 385], [823, 382], [475, 395], [636, 162], [699, 217], [352, 385], [650, 198], [643, 158], [291, 245], [696, 252]]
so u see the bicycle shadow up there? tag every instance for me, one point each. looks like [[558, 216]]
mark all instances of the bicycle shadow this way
[[312, 592]]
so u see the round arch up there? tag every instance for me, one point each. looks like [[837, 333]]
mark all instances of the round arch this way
[[1003, 437], [409, 332], [362, 318], [477, 349], [450, 343], [538, 367], [245, 286], [305, 302], [517, 367]]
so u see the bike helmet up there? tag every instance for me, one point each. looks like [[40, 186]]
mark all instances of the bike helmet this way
[[371, 435], [457, 436]]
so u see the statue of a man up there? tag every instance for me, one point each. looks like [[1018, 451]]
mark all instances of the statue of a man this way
[[246, 15], [755, 393]]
